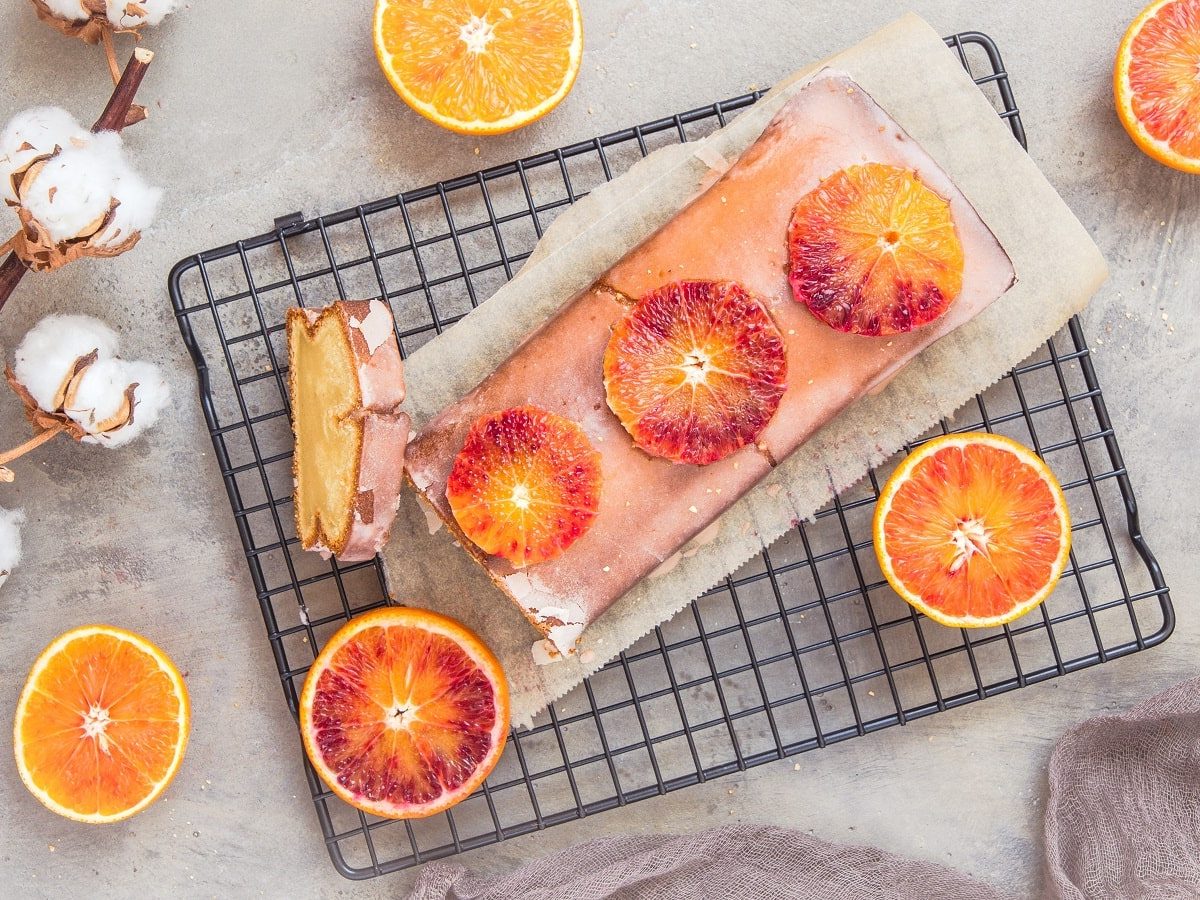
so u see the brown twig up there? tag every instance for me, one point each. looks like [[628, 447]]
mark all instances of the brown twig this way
[[120, 111]]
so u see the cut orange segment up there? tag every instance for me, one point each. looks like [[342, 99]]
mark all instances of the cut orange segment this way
[[477, 66], [873, 250], [526, 485], [101, 725], [404, 713], [972, 530], [1156, 81], [695, 370]]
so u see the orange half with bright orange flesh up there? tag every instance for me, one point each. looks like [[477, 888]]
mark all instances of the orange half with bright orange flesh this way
[[1156, 81], [695, 370], [101, 725], [972, 530], [873, 250], [404, 713], [526, 485], [477, 66]]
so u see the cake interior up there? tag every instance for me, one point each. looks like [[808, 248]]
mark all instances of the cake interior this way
[[325, 392]]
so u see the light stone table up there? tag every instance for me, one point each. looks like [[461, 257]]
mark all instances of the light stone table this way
[[260, 108]]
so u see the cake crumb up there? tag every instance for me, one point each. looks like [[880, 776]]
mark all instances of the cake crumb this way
[[692, 509], [607, 568]]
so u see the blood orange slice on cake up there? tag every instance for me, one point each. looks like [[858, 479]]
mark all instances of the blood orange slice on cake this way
[[972, 530], [873, 250], [695, 370], [526, 485], [404, 713], [1157, 83], [102, 724]]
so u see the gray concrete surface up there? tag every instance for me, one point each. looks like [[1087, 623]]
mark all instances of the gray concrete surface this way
[[261, 108]]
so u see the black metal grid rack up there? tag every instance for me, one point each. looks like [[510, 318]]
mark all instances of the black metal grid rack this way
[[804, 646]]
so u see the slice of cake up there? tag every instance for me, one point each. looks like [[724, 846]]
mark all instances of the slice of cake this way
[[347, 383], [844, 251]]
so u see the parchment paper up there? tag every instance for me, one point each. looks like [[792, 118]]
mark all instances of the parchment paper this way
[[916, 79]]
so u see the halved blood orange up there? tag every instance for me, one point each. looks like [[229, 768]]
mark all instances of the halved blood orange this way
[[695, 370], [477, 66], [404, 712], [873, 250], [1156, 81], [972, 529], [101, 725], [526, 485]]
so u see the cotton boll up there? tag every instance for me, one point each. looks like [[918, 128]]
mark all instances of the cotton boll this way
[[47, 354], [101, 397], [123, 14], [71, 193], [150, 397], [33, 133], [71, 10], [10, 541]]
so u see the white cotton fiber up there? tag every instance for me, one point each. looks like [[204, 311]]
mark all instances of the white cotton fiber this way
[[47, 353], [136, 201], [71, 10], [124, 14], [149, 398], [71, 193], [10, 541], [35, 132]]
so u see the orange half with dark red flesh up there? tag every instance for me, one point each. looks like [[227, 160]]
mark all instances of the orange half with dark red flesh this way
[[404, 712]]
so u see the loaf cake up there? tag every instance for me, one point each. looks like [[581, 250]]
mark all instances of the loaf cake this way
[[346, 382], [737, 231]]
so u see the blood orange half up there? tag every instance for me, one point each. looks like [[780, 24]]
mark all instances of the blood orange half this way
[[695, 370], [1156, 81], [526, 485], [101, 725], [972, 530], [873, 250], [404, 713]]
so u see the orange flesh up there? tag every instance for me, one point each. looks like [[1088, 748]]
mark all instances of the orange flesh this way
[[469, 64], [1164, 76], [100, 730], [874, 251], [403, 717], [695, 371], [526, 485], [974, 532]]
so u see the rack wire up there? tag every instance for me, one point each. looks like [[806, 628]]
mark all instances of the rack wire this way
[[803, 647]]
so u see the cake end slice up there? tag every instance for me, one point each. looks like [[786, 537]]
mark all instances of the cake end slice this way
[[346, 383]]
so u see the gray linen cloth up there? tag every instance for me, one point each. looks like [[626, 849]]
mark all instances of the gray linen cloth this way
[[1122, 821]]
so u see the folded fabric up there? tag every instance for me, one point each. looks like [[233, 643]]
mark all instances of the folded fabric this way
[[1123, 818], [1122, 821], [738, 861]]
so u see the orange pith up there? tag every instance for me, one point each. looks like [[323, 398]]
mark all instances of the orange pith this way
[[102, 724], [872, 250], [526, 485], [1156, 81], [972, 530], [695, 370], [480, 66], [404, 712]]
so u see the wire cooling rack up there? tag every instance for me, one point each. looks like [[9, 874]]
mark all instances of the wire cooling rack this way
[[804, 646]]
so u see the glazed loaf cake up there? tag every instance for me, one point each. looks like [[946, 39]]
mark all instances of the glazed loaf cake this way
[[735, 231]]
